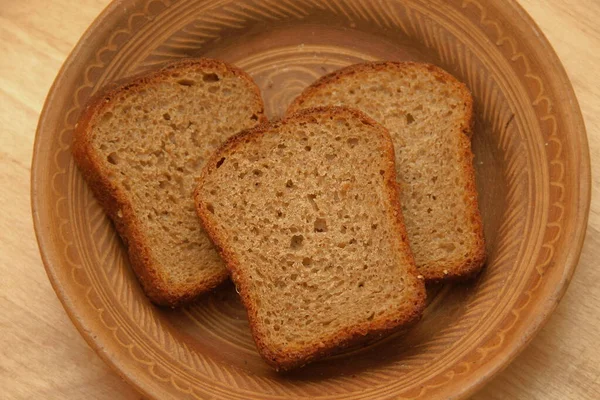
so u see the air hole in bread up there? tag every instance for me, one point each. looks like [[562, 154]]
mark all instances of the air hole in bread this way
[[257, 172], [352, 142], [307, 148], [289, 184], [220, 162], [210, 77], [449, 247], [107, 116], [296, 242], [254, 117], [167, 116], [320, 225], [409, 119], [306, 261], [113, 158], [186, 82], [210, 208]]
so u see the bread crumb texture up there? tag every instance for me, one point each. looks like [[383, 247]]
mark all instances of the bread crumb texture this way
[[149, 140], [429, 116], [306, 213]]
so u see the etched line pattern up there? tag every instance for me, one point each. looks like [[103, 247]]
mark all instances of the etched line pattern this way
[[209, 25], [557, 180]]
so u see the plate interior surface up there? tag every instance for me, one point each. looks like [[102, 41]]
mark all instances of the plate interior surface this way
[[532, 168]]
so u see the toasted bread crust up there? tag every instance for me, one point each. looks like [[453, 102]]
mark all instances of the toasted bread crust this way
[[473, 264], [114, 200], [283, 361]]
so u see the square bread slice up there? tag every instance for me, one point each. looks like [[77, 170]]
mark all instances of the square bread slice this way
[[429, 115], [138, 146], [305, 214]]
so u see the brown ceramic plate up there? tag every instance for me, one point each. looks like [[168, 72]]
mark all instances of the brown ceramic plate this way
[[533, 175]]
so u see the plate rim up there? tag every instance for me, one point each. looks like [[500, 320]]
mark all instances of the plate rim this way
[[486, 372]]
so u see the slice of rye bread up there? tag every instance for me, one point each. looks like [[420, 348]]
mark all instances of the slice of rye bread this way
[[305, 213], [139, 145], [429, 116]]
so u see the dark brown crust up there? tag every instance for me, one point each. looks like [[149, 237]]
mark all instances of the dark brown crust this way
[[283, 361], [475, 261], [113, 199]]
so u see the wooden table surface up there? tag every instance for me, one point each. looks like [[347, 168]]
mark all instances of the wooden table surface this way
[[43, 356]]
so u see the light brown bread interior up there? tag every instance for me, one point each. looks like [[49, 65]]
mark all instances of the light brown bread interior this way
[[140, 146], [429, 116], [306, 214]]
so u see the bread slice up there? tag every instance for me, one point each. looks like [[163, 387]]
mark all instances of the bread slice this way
[[139, 147], [305, 213], [429, 116]]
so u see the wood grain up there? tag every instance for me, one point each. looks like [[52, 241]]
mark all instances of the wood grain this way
[[43, 356]]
